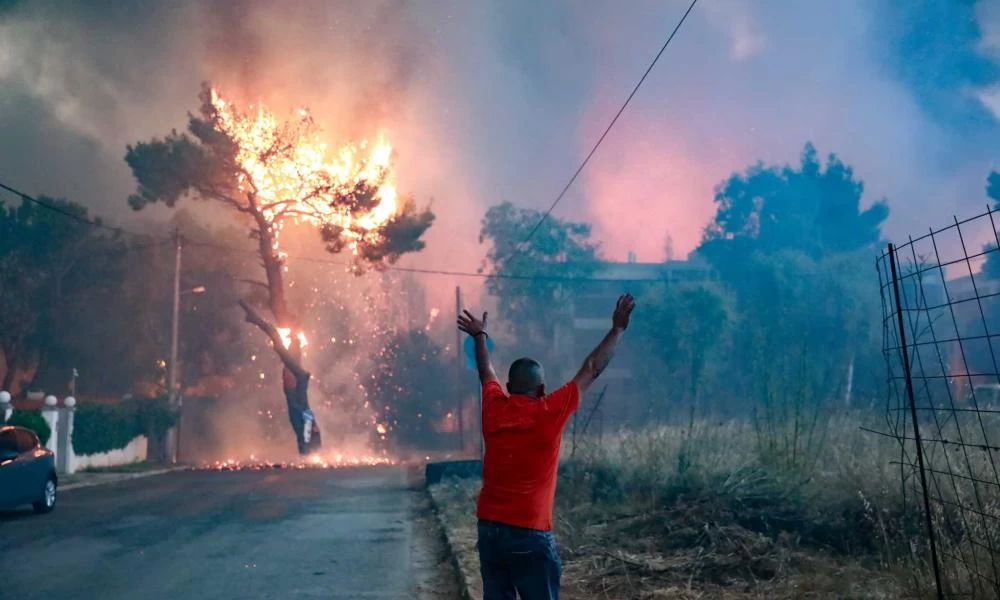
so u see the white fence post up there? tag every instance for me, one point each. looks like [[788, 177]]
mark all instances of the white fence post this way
[[64, 454], [51, 415], [5, 407]]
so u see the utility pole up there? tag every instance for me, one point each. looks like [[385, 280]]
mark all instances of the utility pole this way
[[458, 371], [172, 398]]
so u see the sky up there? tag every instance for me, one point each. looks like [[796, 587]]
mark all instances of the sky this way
[[488, 102]]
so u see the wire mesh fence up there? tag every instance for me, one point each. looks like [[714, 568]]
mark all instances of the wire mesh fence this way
[[586, 431], [941, 341]]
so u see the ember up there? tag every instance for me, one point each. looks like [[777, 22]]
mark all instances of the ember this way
[[315, 461]]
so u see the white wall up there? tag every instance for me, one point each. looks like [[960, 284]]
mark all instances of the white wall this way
[[134, 452]]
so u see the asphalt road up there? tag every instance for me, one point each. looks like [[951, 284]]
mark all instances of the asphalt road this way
[[359, 533]]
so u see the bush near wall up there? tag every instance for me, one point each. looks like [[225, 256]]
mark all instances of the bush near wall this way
[[105, 427], [33, 420]]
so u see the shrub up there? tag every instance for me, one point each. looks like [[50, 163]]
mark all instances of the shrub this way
[[102, 428], [33, 420]]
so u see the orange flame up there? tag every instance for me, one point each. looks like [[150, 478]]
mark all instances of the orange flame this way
[[289, 172], [286, 337]]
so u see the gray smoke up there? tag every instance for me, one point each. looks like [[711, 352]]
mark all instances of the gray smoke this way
[[488, 102]]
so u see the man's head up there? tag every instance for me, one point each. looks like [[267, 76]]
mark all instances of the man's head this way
[[526, 378]]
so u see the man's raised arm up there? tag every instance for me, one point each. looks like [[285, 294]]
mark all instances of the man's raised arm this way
[[477, 329], [598, 359]]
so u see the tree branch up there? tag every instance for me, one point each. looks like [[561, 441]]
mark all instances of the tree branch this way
[[290, 362], [254, 282]]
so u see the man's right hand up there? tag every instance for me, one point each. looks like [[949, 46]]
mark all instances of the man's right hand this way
[[623, 312], [598, 360], [471, 325]]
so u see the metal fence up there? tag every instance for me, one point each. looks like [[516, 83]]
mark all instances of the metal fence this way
[[586, 430], [941, 341]]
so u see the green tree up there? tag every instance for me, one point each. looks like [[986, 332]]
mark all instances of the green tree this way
[[814, 209], [683, 335], [48, 265], [794, 248], [409, 387], [531, 303], [77, 296]]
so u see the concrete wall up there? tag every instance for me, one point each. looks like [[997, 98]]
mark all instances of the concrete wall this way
[[134, 452]]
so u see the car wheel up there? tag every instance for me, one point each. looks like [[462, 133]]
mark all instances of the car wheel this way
[[48, 501]]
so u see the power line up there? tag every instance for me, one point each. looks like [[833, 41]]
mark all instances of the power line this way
[[421, 271], [71, 215], [312, 259], [518, 249], [497, 273]]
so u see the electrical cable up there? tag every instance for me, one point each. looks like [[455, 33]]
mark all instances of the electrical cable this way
[[222, 247], [518, 249]]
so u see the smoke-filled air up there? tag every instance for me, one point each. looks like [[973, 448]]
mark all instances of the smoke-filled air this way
[[728, 268]]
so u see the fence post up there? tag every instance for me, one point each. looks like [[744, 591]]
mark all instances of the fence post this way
[[913, 414], [5, 409], [64, 462], [51, 415]]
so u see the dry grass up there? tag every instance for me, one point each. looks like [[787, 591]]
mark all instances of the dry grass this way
[[668, 513]]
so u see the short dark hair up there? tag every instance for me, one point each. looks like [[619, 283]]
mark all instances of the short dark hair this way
[[525, 376]]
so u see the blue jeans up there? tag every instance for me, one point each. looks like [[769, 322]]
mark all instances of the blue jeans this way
[[518, 562]]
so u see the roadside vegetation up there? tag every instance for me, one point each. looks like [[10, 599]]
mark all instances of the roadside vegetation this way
[[702, 511]]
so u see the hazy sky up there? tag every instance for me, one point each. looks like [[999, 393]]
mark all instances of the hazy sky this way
[[493, 101]]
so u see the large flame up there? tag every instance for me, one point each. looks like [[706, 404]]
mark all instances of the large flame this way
[[292, 174]]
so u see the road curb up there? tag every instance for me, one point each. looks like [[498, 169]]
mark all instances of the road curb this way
[[124, 477], [463, 577]]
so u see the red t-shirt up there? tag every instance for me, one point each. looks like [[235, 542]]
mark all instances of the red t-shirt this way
[[522, 436]]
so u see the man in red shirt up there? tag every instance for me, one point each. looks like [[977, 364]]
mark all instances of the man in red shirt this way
[[522, 429]]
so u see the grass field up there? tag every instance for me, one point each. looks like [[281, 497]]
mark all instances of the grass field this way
[[727, 510]]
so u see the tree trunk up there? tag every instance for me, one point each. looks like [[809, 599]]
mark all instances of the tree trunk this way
[[295, 379], [274, 270], [295, 384]]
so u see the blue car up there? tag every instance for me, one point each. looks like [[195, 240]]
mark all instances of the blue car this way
[[27, 471]]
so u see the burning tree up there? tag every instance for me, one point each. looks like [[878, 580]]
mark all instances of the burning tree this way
[[270, 172]]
